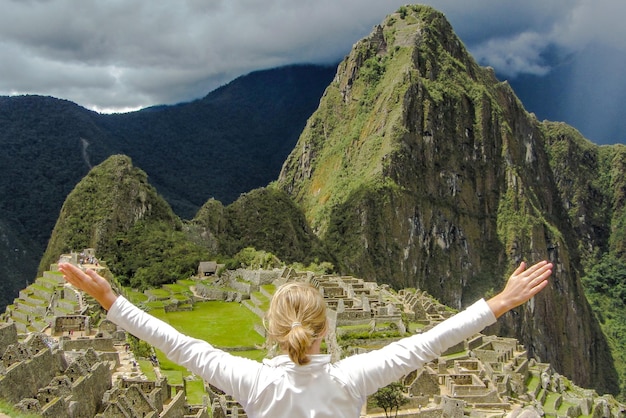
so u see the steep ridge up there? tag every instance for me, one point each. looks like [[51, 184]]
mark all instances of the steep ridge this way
[[421, 169], [112, 199], [115, 211]]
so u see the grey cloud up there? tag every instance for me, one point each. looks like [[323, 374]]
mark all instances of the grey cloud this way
[[126, 54], [522, 33], [595, 94], [521, 54]]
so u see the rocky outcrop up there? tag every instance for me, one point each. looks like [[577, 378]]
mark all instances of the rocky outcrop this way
[[421, 169]]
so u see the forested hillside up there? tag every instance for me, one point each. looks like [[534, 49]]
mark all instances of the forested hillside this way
[[231, 141]]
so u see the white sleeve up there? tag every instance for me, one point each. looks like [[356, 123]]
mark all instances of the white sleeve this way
[[375, 369], [234, 375]]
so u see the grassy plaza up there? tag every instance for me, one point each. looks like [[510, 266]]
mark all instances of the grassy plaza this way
[[226, 325]]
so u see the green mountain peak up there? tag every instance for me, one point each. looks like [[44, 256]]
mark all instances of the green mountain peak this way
[[421, 169], [106, 204]]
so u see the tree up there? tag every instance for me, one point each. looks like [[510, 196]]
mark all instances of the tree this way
[[390, 397]]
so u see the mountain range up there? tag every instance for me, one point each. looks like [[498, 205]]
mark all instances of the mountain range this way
[[231, 141], [416, 167]]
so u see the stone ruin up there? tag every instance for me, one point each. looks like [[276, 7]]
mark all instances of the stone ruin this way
[[61, 358], [488, 376], [38, 377], [141, 398]]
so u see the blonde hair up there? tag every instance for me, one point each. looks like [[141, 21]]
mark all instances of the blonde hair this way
[[296, 318]]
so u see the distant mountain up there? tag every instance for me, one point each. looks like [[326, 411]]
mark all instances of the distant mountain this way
[[16, 259], [233, 140], [265, 218]]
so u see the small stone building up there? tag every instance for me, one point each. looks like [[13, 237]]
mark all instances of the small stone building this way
[[207, 268]]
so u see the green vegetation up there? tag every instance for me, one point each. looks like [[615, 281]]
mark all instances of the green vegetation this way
[[147, 369], [270, 288], [5, 408], [195, 390], [231, 141], [533, 383], [356, 334], [139, 347], [390, 398], [251, 258], [454, 356], [419, 164], [591, 181], [210, 321], [143, 252], [153, 254], [268, 219], [419, 168], [605, 287], [101, 213], [264, 301], [214, 322]]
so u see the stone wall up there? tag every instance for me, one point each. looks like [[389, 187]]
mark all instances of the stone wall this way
[[452, 408], [425, 384], [57, 408], [457, 348], [353, 317], [177, 306], [8, 336], [87, 391], [176, 407], [98, 344], [497, 350], [254, 308], [257, 277], [23, 379], [70, 294], [211, 293], [72, 323], [243, 287]]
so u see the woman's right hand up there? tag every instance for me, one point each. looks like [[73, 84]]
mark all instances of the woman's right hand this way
[[522, 285]]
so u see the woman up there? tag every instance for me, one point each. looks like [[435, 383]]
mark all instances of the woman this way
[[303, 382]]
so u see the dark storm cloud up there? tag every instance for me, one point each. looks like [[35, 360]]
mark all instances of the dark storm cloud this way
[[124, 54], [142, 53]]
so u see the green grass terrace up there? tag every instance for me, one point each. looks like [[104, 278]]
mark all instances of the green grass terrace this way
[[225, 325]]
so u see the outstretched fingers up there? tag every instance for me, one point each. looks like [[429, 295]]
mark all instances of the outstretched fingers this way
[[539, 272], [522, 285], [75, 276], [539, 278], [90, 282]]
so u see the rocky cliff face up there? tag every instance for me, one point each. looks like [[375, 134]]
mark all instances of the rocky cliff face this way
[[421, 169]]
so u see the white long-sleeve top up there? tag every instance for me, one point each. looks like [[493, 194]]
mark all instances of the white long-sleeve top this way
[[278, 388]]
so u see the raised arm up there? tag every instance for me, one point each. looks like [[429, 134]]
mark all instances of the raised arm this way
[[378, 368], [90, 282], [235, 375], [522, 285]]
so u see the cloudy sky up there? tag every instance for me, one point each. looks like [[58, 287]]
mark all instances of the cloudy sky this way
[[565, 58]]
